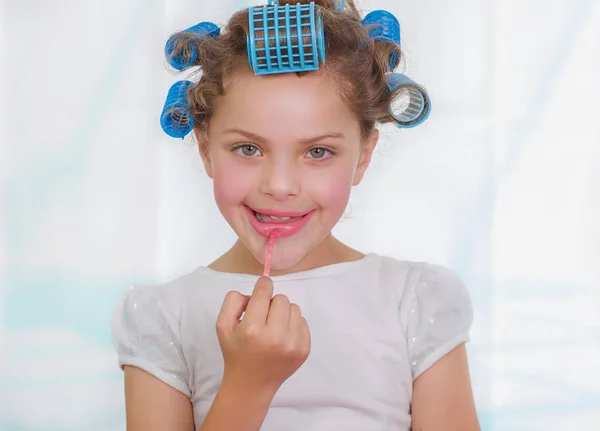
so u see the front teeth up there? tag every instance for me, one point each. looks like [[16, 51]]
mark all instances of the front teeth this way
[[259, 217]]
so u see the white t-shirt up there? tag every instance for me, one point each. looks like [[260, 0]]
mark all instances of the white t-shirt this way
[[376, 324]]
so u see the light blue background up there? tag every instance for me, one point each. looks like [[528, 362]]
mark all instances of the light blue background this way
[[502, 183]]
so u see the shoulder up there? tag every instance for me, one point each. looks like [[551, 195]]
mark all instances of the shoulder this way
[[427, 286], [414, 277], [169, 296], [436, 287], [435, 279], [434, 305], [146, 328], [145, 311], [435, 311]]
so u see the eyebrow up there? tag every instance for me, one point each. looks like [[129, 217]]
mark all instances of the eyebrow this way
[[304, 141]]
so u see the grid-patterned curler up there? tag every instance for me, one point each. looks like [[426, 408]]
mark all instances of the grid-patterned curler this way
[[188, 54], [414, 107], [285, 38], [175, 119], [339, 5], [384, 26]]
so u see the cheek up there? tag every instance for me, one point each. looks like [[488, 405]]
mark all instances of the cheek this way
[[231, 185], [332, 190]]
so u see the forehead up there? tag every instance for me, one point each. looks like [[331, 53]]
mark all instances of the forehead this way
[[284, 106]]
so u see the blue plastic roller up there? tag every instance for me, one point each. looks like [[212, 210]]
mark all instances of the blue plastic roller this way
[[176, 119], [188, 55], [285, 38], [384, 26]]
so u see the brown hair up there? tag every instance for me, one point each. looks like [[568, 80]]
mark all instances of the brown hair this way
[[358, 63]]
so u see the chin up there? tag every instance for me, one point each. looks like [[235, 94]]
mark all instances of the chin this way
[[285, 263], [288, 253], [285, 256]]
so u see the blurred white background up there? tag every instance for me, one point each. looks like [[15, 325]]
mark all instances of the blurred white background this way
[[502, 183]]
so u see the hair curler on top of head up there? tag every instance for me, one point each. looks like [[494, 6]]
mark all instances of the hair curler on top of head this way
[[283, 39]]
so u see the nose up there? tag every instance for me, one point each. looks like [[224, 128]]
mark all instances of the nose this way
[[280, 179]]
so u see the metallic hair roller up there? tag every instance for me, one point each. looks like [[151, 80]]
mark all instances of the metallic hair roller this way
[[412, 109]]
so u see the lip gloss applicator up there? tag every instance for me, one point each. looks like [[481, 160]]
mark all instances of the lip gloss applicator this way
[[272, 238]]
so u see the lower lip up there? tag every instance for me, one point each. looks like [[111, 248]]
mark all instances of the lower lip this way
[[284, 229]]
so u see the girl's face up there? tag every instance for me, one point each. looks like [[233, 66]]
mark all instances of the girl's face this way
[[284, 144]]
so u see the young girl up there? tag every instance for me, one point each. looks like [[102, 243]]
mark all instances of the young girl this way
[[349, 342]]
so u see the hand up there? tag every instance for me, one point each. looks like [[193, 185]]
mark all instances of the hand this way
[[268, 345]]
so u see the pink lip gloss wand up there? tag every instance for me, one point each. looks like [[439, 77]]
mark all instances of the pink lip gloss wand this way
[[272, 238]]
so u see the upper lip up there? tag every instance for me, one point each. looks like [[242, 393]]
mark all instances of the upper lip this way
[[278, 213]]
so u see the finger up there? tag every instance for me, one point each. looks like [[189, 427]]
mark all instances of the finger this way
[[260, 301], [279, 313], [305, 333], [295, 317], [298, 324], [232, 309]]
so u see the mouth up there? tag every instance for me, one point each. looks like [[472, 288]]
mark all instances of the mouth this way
[[266, 217], [286, 223]]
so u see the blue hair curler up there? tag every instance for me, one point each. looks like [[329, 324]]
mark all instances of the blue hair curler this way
[[276, 40], [412, 110], [175, 119], [339, 5], [188, 55], [384, 26]]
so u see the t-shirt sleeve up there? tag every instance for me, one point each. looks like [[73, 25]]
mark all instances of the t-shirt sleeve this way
[[439, 317], [145, 335]]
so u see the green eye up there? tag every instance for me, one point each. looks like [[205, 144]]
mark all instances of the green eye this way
[[247, 150], [318, 153]]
